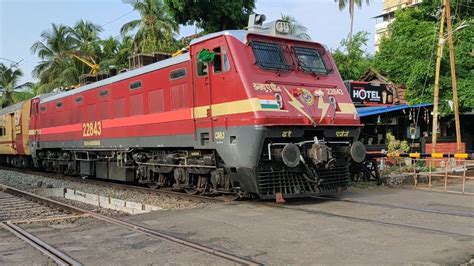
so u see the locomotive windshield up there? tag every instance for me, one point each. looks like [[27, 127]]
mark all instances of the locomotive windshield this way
[[269, 56], [310, 60]]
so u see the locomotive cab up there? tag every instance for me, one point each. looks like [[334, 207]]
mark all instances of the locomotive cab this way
[[278, 112]]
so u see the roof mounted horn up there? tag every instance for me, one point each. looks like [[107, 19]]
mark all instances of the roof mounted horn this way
[[256, 22]]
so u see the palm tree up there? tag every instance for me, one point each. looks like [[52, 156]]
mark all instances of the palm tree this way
[[86, 37], [54, 50], [156, 28], [8, 84], [352, 4], [296, 28]]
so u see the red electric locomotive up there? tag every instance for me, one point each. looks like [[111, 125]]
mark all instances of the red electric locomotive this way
[[253, 112]]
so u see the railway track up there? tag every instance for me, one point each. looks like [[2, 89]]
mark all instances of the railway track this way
[[53, 253], [395, 206], [132, 187], [132, 226], [371, 221], [14, 208]]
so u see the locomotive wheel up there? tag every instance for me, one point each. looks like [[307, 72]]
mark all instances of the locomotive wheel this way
[[153, 185], [191, 191]]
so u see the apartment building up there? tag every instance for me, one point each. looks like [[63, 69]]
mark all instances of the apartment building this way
[[388, 15]]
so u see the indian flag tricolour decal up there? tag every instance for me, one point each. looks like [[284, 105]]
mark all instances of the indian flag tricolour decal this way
[[268, 102]]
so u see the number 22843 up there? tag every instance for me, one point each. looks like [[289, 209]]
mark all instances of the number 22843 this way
[[91, 129]]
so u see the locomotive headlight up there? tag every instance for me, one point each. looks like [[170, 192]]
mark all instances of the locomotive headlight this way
[[279, 100], [290, 155]]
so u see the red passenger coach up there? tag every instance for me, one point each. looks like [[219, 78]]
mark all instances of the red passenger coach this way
[[254, 113]]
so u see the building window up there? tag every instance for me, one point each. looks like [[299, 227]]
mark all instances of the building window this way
[[177, 74], [2, 131], [135, 85]]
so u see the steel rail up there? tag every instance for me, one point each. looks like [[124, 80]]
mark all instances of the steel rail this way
[[135, 227], [56, 255], [367, 220], [395, 206]]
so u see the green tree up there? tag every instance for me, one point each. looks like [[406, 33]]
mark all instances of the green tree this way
[[86, 37], [9, 84], [212, 16], [351, 3], [408, 55], [58, 67], [53, 50], [351, 58], [296, 28], [115, 52], [156, 29]]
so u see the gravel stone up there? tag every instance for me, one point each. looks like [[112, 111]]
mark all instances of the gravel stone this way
[[31, 183]]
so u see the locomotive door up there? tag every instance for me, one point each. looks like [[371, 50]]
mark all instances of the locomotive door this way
[[202, 111]]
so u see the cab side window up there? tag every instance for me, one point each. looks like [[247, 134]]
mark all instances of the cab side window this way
[[225, 60], [201, 69], [217, 60], [221, 60]]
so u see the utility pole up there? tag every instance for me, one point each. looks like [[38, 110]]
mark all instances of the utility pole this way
[[453, 73], [439, 55]]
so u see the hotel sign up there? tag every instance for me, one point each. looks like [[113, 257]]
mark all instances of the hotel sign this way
[[363, 93]]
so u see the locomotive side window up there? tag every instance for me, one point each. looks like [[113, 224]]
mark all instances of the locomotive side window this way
[[310, 60], [79, 99], [177, 74], [103, 93], [269, 56], [217, 60], [201, 69], [135, 85], [225, 59]]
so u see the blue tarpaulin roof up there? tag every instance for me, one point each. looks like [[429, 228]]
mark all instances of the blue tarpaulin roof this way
[[368, 111]]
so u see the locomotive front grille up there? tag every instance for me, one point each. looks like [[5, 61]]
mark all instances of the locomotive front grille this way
[[293, 183]]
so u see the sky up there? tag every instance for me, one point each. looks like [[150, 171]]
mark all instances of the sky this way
[[22, 21]]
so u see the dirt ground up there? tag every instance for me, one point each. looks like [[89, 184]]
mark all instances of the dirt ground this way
[[405, 230]]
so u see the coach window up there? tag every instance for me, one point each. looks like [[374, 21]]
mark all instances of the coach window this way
[[59, 104], [43, 108]]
